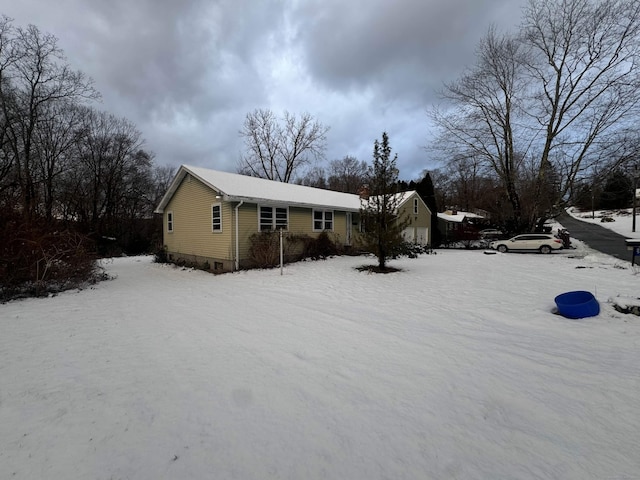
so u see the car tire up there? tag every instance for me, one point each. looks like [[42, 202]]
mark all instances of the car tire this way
[[545, 249], [502, 249]]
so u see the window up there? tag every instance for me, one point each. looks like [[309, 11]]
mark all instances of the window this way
[[415, 206], [169, 222], [322, 220], [216, 217], [273, 218]]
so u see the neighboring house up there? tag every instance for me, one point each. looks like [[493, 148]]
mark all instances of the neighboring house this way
[[453, 224], [210, 216], [418, 217]]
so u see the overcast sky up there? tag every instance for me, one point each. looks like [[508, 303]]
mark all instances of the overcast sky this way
[[186, 72]]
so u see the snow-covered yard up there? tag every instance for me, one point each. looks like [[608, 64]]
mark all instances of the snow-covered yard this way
[[455, 367]]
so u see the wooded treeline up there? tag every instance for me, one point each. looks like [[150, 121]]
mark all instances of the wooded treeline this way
[[70, 174]]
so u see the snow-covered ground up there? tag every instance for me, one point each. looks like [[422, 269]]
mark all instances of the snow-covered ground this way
[[453, 368], [622, 220]]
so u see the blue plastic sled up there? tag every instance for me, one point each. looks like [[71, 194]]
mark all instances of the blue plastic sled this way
[[578, 304]]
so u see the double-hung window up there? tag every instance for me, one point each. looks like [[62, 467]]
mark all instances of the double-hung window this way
[[169, 222], [273, 218], [216, 217], [322, 220], [415, 206]]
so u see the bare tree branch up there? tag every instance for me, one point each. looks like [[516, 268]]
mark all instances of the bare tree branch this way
[[278, 151]]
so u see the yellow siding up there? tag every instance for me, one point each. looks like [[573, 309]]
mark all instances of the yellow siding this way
[[301, 222], [247, 226], [192, 235]]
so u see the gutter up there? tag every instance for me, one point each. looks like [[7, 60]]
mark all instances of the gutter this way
[[237, 240], [266, 201]]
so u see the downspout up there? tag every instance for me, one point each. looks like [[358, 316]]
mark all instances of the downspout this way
[[237, 241]]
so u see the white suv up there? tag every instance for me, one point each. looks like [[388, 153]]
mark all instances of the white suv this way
[[540, 242]]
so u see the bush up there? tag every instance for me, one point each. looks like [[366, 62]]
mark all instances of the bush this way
[[264, 249], [319, 248], [40, 258], [411, 250], [161, 256]]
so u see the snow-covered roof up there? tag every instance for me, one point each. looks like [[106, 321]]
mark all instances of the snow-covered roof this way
[[400, 197], [235, 187], [458, 217]]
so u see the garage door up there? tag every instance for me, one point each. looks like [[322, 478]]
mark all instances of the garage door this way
[[408, 234], [422, 235]]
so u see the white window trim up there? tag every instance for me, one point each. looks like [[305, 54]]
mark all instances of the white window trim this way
[[273, 217], [217, 204], [324, 220], [415, 206], [170, 223]]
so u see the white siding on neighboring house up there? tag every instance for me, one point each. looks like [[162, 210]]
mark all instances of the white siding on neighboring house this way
[[418, 235], [422, 235]]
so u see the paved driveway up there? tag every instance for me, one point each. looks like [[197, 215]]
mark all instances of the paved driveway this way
[[597, 237]]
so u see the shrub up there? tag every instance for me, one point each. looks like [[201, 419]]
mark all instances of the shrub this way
[[40, 258], [161, 255], [319, 248], [264, 249], [411, 250]]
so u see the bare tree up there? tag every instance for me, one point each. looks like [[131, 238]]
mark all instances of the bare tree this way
[[583, 58], [557, 92], [482, 122], [55, 140], [162, 177], [6, 59], [108, 151], [34, 75], [280, 149], [347, 175], [313, 177]]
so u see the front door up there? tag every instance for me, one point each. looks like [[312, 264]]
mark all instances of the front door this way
[[349, 227]]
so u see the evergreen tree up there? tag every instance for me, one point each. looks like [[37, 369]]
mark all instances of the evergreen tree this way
[[617, 191], [382, 229]]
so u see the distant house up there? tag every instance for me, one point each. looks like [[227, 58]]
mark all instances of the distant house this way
[[454, 224], [210, 216], [413, 210]]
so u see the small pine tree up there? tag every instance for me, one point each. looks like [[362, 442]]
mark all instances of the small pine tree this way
[[379, 206]]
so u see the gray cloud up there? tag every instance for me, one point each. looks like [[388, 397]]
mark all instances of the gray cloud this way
[[187, 72]]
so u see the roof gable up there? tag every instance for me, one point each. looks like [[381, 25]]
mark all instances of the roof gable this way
[[401, 198], [235, 187]]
